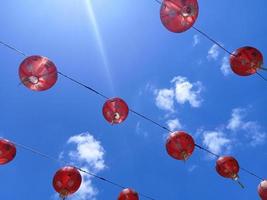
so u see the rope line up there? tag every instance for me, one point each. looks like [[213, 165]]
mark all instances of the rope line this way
[[12, 48], [83, 85], [263, 78], [212, 40]]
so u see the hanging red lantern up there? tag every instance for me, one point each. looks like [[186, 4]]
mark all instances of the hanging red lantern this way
[[67, 181], [179, 15], [128, 194], [262, 190], [228, 167], [115, 110], [246, 61], [38, 73], [7, 151], [180, 145]]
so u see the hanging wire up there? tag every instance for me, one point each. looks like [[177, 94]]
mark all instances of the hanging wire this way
[[158, 1], [208, 151], [215, 42], [252, 174], [46, 156], [12, 48], [212, 40], [150, 120], [263, 78], [83, 85]]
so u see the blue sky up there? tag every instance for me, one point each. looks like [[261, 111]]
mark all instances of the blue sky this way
[[121, 48]]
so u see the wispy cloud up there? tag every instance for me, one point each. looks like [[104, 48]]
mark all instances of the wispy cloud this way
[[174, 124], [182, 90], [236, 120], [89, 155], [217, 142], [224, 138], [225, 67], [186, 91], [196, 40], [213, 52], [252, 129], [165, 99]]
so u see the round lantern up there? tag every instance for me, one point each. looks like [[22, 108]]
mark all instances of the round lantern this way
[[227, 167], [178, 15], [246, 61], [38, 73], [7, 151], [67, 181], [115, 110], [180, 145], [262, 190], [128, 194]]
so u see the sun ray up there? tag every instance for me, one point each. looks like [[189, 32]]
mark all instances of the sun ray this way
[[100, 44]]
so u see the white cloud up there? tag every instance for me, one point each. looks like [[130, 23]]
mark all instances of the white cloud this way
[[88, 151], [165, 99], [88, 155], [183, 91], [196, 40], [216, 142], [187, 92], [236, 121], [254, 133], [252, 129], [174, 124], [213, 52], [237, 131], [225, 67]]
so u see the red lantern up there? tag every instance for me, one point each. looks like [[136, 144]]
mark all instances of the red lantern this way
[[115, 110], [67, 181], [180, 145], [7, 151], [227, 167], [38, 73], [262, 190], [246, 61], [178, 15], [128, 194]]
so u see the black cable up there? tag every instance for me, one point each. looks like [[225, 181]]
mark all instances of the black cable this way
[[150, 120], [158, 1], [263, 78], [252, 174], [81, 84], [12, 48], [208, 151], [212, 40]]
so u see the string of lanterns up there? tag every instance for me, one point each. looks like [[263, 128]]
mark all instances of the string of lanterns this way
[[38, 73], [180, 15]]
